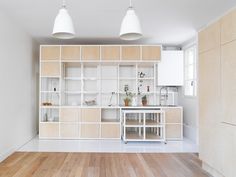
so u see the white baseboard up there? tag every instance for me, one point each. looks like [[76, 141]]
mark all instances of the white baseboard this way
[[13, 149], [211, 170], [7, 153]]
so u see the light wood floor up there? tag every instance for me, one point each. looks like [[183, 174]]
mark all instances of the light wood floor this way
[[22, 164]]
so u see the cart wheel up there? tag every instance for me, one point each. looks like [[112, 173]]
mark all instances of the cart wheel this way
[[165, 142], [126, 142]]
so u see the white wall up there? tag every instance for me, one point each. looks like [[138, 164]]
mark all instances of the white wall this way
[[190, 105], [18, 67]]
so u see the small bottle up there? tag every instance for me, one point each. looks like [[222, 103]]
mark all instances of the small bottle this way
[[134, 103], [46, 117]]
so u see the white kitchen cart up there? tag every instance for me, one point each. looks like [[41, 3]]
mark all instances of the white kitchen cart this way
[[143, 124]]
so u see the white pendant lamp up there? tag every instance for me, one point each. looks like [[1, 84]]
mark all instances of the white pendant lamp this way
[[130, 27], [63, 25]]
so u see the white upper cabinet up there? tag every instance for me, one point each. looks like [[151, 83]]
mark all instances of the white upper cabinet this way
[[170, 69]]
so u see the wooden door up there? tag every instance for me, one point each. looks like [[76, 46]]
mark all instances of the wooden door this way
[[110, 53], [70, 52], [228, 27], [209, 38], [228, 62], [90, 52], [90, 115], [173, 115], [70, 115], [50, 53], [130, 53], [151, 53], [209, 106], [69, 130], [173, 131], [49, 130], [50, 69], [227, 146], [111, 130], [91, 130]]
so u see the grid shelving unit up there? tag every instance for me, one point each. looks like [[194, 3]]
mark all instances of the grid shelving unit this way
[[71, 75]]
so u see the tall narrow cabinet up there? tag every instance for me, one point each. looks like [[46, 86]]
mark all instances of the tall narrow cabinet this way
[[217, 85]]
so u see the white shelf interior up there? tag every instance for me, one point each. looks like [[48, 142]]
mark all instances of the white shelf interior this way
[[49, 84], [102, 82], [49, 115], [72, 70], [73, 99], [53, 98], [127, 71], [110, 115], [109, 99]]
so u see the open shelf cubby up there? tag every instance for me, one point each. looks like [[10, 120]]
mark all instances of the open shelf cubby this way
[[109, 72], [110, 115], [72, 70], [50, 84], [91, 71], [134, 133], [71, 99], [134, 120], [91, 99], [50, 99], [109, 99], [49, 115], [127, 71], [153, 133]]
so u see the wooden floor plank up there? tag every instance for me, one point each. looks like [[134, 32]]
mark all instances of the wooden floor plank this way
[[27, 164]]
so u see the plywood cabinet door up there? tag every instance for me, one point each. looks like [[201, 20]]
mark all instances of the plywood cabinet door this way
[[70, 52], [49, 130], [70, 115], [228, 27], [210, 106], [90, 52], [209, 88], [130, 53], [228, 62], [110, 130], [209, 38], [90, 115], [90, 130], [50, 53], [151, 53], [69, 130], [110, 53], [174, 131], [227, 147], [173, 115], [50, 69]]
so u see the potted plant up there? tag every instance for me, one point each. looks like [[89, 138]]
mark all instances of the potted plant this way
[[144, 100], [127, 101], [128, 98]]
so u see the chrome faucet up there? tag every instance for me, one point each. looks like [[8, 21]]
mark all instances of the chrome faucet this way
[[163, 97]]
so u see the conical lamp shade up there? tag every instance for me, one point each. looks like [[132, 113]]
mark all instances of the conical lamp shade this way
[[63, 25], [130, 27]]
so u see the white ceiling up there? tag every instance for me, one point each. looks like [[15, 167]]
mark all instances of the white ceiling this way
[[170, 22]]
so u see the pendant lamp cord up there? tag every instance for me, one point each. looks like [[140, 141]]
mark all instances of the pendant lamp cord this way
[[130, 3], [64, 3]]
